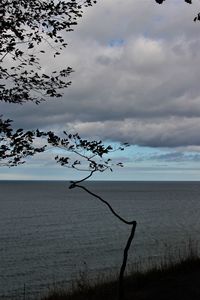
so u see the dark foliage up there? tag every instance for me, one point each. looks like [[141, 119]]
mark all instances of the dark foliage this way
[[16, 145], [24, 25], [84, 155], [87, 155]]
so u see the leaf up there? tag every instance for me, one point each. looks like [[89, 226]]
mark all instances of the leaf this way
[[30, 46]]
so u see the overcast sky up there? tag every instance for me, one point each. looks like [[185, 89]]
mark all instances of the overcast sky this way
[[136, 80]]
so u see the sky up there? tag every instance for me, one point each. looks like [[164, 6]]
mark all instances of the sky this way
[[136, 80]]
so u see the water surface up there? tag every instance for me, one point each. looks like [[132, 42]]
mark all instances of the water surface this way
[[48, 233]]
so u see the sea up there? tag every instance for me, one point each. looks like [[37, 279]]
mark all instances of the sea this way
[[51, 235]]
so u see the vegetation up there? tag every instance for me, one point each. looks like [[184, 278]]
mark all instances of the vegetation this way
[[174, 280]]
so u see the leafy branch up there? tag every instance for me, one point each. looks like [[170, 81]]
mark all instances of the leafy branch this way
[[15, 146]]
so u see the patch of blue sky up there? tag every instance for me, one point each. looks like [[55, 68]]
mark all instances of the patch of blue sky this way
[[142, 152], [118, 42]]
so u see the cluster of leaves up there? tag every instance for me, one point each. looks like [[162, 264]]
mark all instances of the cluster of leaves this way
[[28, 82], [24, 25], [16, 145], [90, 155]]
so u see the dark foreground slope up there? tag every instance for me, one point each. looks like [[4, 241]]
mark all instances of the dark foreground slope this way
[[172, 282]]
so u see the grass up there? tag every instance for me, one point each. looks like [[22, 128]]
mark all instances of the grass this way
[[176, 277]]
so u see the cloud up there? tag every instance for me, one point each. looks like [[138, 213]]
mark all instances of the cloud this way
[[172, 157], [168, 132], [136, 77]]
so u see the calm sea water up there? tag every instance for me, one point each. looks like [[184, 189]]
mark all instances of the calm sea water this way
[[49, 234]]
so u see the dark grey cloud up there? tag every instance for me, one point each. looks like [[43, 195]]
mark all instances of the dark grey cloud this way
[[168, 132]]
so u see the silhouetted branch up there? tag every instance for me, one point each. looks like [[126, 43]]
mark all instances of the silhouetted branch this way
[[75, 184], [125, 257]]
